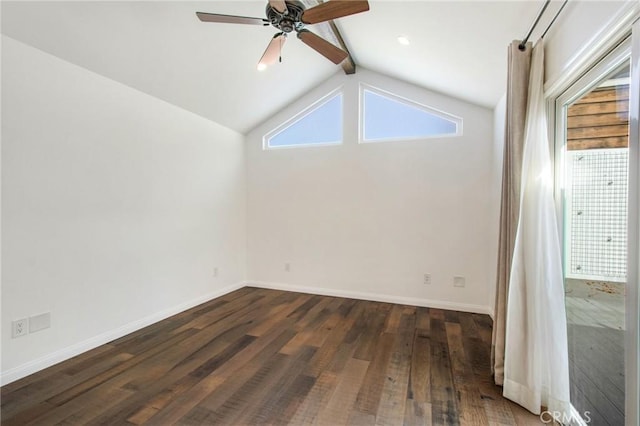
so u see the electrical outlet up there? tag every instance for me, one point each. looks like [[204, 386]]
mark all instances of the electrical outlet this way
[[215, 271], [427, 279], [458, 282], [20, 328], [287, 267]]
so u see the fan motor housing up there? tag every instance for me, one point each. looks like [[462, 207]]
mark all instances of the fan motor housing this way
[[290, 21]]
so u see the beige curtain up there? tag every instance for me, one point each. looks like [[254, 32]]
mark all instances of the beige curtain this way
[[517, 92], [536, 363]]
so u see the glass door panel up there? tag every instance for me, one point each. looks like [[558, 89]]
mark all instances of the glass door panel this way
[[596, 157]]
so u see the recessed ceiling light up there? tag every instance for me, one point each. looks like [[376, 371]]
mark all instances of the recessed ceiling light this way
[[262, 67], [403, 40]]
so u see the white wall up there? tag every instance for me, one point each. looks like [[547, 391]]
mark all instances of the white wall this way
[[117, 207], [368, 220]]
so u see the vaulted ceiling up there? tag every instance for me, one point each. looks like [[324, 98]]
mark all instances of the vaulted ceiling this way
[[161, 48]]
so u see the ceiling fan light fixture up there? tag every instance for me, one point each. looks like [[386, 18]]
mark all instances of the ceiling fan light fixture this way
[[403, 40], [291, 16]]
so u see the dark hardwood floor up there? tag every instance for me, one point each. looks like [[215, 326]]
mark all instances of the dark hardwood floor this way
[[260, 356]]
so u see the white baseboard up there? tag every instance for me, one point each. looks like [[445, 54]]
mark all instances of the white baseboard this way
[[376, 297], [93, 342]]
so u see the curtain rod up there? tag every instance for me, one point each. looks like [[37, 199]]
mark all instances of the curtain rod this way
[[523, 43], [554, 18]]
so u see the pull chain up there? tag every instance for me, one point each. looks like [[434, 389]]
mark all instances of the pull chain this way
[[281, 42]]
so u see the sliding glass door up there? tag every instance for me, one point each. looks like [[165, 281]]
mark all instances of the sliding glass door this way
[[593, 128]]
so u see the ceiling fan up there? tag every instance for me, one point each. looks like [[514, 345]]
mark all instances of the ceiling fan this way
[[291, 16]]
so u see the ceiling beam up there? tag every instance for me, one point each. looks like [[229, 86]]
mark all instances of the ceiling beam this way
[[329, 31]]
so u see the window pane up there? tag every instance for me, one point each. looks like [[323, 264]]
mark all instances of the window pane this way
[[387, 118], [322, 125]]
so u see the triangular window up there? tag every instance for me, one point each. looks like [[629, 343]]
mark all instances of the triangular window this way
[[388, 117], [319, 124]]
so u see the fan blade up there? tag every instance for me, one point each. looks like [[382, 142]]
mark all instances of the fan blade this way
[[272, 53], [322, 46], [231, 19], [279, 5], [334, 9]]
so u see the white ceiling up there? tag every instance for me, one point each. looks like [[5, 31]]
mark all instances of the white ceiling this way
[[161, 48]]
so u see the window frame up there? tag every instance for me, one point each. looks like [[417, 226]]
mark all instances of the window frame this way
[[338, 92], [363, 87]]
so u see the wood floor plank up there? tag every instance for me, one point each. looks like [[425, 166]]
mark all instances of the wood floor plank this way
[[277, 314], [232, 375], [499, 411], [417, 413], [483, 326], [341, 357], [103, 377], [358, 418], [321, 334], [58, 383], [373, 323], [237, 308], [289, 400], [10, 391], [393, 319], [24, 417], [85, 406], [391, 409], [183, 402], [371, 391], [179, 379], [469, 401], [258, 356], [91, 408], [282, 403], [340, 405], [253, 390], [420, 378], [314, 305], [444, 404], [307, 324], [335, 335], [423, 319], [274, 400], [316, 400]]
